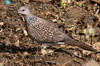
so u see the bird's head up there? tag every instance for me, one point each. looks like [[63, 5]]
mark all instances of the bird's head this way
[[24, 10]]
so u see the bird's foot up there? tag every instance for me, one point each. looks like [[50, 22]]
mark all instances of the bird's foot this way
[[45, 52]]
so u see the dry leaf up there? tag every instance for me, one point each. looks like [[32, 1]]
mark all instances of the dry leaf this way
[[17, 43], [97, 46], [25, 53]]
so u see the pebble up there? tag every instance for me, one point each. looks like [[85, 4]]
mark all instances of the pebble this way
[[1, 23], [25, 32]]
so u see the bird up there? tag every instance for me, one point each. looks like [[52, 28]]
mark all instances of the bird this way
[[46, 33]]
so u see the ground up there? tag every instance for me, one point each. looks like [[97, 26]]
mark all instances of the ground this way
[[80, 19]]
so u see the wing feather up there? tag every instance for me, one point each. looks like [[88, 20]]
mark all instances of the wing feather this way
[[44, 31]]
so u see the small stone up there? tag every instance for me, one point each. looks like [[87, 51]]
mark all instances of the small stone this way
[[54, 20], [1, 23], [25, 32]]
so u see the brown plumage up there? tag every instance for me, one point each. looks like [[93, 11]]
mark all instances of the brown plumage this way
[[46, 33]]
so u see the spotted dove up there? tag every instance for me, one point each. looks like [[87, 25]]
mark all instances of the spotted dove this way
[[46, 33]]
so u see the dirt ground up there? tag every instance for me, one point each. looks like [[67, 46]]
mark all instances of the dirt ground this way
[[80, 19]]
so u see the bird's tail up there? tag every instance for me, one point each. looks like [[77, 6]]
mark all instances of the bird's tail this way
[[73, 42]]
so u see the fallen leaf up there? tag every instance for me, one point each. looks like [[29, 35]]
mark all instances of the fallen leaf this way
[[97, 46]]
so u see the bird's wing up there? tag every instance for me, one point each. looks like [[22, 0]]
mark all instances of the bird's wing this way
[[45, 31]]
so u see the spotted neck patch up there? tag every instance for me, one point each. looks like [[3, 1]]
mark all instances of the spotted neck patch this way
[[30, 19]]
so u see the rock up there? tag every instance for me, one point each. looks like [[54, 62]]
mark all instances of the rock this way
[[91, 63]]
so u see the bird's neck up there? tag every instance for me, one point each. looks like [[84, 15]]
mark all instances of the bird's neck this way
[[30, 19]]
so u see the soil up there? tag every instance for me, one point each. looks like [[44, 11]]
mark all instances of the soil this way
[[18, 49]]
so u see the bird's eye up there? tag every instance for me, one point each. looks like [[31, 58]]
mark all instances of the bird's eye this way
[[23, 10]]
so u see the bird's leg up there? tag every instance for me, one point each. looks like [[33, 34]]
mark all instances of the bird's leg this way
[[44, 49], [44, 46]]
